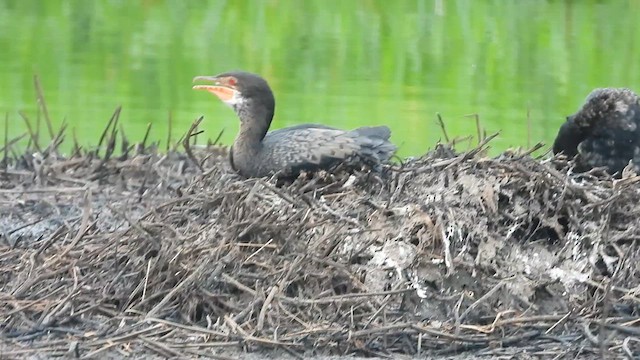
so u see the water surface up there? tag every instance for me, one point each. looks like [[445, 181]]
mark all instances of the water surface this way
[[522, 66]]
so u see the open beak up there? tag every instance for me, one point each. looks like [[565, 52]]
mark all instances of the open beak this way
[[223, 91]]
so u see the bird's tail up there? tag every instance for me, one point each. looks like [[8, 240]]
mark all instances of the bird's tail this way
[[375, 132], [374, 143]]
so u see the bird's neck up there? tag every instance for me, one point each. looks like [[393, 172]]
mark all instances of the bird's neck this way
[[255, 120]]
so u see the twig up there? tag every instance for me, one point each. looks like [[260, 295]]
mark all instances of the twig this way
[[84, 226], [5, 159], [43, 105], [265, 306], [145, 138], [482, 299], [528, 127], [442, 127], [186, 142], [476, 117], [169, 130], [215, 142], [187, 281], [112, 120], [32, 134]]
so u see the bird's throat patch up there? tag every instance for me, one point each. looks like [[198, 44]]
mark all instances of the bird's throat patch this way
[[223, 93]]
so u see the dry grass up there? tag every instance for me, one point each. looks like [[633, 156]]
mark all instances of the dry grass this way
[[449, 253]]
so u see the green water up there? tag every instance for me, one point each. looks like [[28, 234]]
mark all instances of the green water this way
[[521, 65]]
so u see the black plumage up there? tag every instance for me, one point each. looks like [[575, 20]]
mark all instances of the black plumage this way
[[256, 152], [605, 132]]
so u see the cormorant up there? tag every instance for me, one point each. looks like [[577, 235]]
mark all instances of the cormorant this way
[[257, 153]]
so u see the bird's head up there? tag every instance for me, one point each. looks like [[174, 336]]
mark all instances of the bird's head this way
[[240, 90]]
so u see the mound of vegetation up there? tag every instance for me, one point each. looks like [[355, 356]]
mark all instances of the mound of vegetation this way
[[450, 253]]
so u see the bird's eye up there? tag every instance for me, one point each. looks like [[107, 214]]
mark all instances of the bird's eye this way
[[232, 81]]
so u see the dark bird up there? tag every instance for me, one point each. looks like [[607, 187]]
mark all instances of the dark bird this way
[[605, 132], [286, 152]]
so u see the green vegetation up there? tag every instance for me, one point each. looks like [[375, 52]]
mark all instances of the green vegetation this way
[[343, 63]]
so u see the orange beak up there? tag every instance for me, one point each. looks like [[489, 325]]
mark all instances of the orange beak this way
[[218, 88]]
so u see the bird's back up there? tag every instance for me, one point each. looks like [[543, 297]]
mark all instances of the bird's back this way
[[605, 132]]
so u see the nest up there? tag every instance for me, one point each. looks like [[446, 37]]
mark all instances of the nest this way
[[450, 253]]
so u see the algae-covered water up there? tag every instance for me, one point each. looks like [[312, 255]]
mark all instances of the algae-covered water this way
[[522, 66]]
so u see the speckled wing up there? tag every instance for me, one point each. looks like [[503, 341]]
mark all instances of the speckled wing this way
[[311, 147]]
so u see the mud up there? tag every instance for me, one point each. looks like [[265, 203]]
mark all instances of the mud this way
[[448, 255]]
